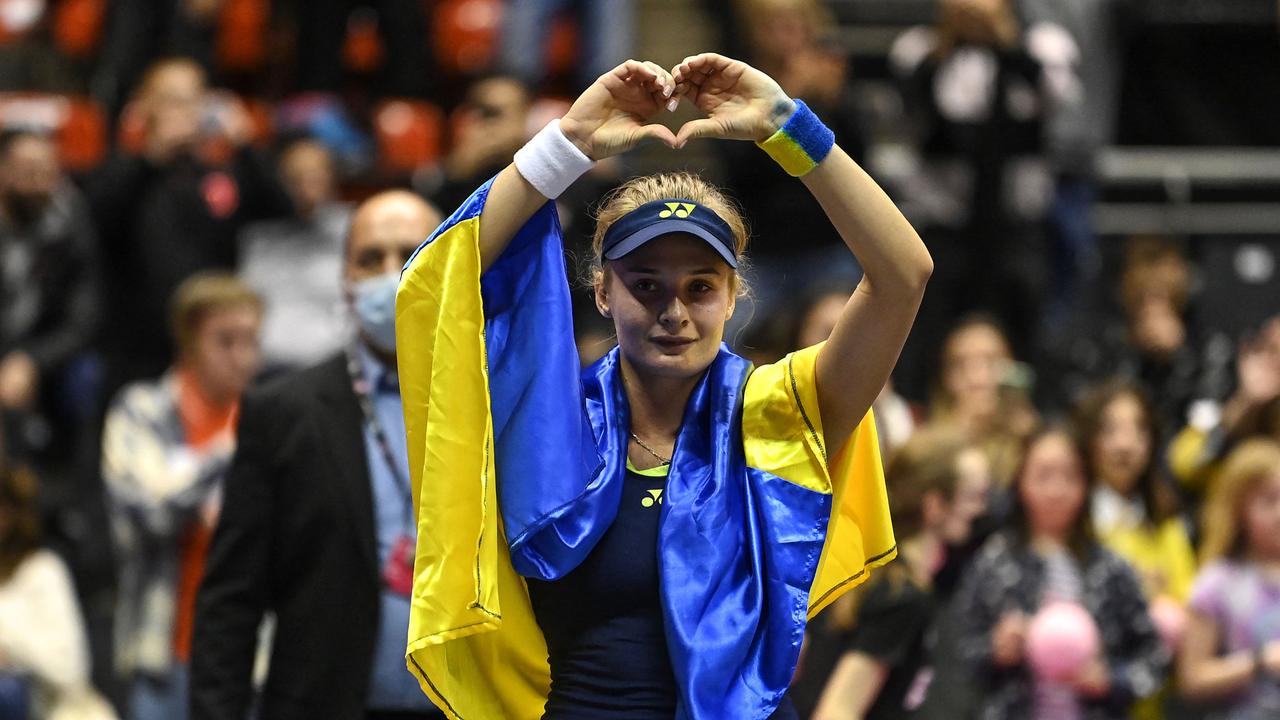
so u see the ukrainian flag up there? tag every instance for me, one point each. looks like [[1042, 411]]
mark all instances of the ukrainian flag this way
[[518, 458]]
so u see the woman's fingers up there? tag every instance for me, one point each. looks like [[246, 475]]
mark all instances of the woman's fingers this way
[[700, 66], [647, 77], [702, 127], [665, 96], [654, 131]]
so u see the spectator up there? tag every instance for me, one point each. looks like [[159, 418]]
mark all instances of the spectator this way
[[982, 390], [1048, 554], [979, 99], [1231, 652], [49, 294], [168, 213], [490, 125], [1214, 429], [793, 247], [166, 446], [44, 657], [303, 322], [1134, 510], [940, 485], [1145, 338], [317, 525]]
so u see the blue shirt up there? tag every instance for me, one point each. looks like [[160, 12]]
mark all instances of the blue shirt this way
[[391, 686]]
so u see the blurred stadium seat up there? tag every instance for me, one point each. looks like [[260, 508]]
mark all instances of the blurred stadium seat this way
[[362, 50], [465, 34], [79, 124], [77, 26], [409, 134], [242, 35]]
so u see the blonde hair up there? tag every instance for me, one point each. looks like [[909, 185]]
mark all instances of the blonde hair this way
[[1245, 468], [646, 188], [203, 294]]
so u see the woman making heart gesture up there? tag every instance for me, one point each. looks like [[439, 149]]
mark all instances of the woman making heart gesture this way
[[644, 538]]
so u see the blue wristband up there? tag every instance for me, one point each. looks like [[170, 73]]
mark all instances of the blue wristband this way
[[801, 143]]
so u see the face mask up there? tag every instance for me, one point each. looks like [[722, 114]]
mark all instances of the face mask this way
[[374, 301]]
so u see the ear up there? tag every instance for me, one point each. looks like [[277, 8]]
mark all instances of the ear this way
[[733, 302], [602, 297]]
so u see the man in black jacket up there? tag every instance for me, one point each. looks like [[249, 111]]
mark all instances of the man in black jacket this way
[[317, 526], [49, 292], [172, 210]]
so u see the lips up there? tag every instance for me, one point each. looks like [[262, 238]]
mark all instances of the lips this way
[[672, 342]]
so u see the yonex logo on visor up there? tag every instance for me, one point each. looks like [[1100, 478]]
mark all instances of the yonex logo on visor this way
[[679, 209], [667, 217]]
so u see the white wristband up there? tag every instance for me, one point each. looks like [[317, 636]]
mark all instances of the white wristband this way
[[551, 162]]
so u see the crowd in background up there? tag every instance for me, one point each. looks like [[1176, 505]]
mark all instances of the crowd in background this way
[[1063, 433]]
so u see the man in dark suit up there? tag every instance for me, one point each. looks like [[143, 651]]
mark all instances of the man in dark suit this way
[[317, 525]]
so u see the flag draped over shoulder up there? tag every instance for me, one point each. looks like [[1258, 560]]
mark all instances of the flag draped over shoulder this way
[[518, 459]]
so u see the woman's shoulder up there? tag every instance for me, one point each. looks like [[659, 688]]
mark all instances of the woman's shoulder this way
[[1220, 574], [42, 567]]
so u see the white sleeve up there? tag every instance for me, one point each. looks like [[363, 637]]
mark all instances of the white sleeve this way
[[45, 634]]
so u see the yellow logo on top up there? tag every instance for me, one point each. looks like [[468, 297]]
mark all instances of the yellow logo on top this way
[[679, 209]]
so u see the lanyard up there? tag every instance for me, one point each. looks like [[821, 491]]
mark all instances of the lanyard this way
[[360, 386]]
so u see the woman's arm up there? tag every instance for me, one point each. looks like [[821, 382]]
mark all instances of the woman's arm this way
[[1202, 673], [744, 103], [853, 687], [607, 119], [865, 343]]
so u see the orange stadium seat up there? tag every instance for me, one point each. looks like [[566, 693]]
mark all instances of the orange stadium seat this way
[[77, 26], [79, 124], [409, 134], [241, 44], [362, 50], [562, 46], [466, 34]]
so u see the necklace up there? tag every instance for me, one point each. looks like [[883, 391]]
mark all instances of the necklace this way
[[651, 451]]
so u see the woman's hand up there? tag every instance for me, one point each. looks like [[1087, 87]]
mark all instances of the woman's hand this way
[[1008, 638], [1094, 681], [614, 114], [741, 103]]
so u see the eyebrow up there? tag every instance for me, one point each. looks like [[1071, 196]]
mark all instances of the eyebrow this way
[[655, 271]]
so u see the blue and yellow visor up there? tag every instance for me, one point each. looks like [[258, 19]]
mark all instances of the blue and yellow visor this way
[[664, 217]]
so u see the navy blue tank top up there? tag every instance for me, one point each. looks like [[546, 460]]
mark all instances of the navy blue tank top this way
[[603, 622]]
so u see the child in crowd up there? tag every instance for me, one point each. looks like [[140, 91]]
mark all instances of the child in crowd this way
[[1047, 553], [939, 483], [1135, 511], [982, 390], [166, 445], [1231, 652]]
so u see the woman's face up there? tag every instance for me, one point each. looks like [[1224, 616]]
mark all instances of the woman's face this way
[[1052, 486], [669, 301], [969, 500], [976, 359], [1262, 518], [1122, 447]]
